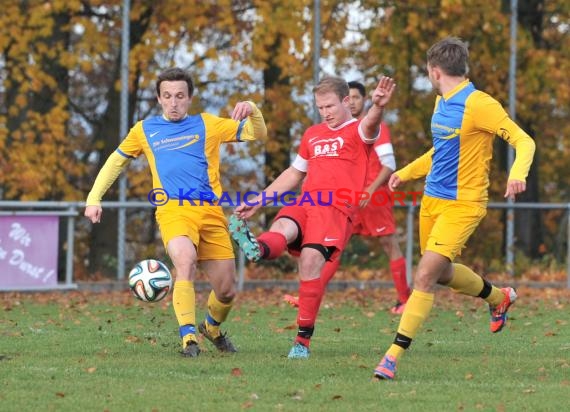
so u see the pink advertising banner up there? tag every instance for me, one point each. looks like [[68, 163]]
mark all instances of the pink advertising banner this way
[[28, 251]]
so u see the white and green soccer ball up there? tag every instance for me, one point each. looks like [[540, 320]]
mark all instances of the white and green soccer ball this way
[[150, 280]]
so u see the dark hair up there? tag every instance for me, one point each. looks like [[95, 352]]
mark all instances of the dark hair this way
[[334, 84], [359, 86], [174, 74], [450, 55]]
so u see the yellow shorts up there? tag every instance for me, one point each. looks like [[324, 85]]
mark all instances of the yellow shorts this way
[[446, 225], [206, 226]]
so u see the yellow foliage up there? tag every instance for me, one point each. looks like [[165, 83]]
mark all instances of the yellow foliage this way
[[61, 85]]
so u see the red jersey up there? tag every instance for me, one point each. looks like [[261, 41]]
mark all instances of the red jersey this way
[[334, 160], [382, 146]]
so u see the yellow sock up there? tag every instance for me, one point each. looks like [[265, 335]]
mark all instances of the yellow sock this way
[[469, 283], [217, 313], [465, 281], [184, 303], [417, 310], [395, 351], [496, 296]]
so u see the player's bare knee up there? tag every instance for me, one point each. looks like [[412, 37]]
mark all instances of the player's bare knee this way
[[185, 270], [226, 294], [424, 280], [287, 227], [391, 247], [387, 244]]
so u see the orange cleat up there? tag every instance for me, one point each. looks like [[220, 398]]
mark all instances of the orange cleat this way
[[499, 313], [291, 300]]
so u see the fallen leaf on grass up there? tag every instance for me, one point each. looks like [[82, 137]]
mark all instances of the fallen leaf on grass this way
[[60, 394], [236, 372], [91, 369], [468, 376]]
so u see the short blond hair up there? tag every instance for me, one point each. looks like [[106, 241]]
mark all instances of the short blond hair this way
[[336, 85]]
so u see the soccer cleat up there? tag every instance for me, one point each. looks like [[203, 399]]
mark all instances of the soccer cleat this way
[[299, 351], [221, 342], [291, 300], [244, 238], [398, 308], [191, 350], [386, 369], [499, 313]]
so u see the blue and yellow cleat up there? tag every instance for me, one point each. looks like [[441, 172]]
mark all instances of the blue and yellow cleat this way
[[244, 238], [299, 351], [386, 369]]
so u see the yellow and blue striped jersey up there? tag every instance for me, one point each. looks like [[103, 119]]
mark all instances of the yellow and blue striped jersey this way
[[184, 156], [464, 122]]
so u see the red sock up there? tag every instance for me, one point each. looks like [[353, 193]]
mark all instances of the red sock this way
[[328, 271], [273, 244], [310, 296], [398, 269]]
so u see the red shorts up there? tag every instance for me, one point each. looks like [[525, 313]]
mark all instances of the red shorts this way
[[375, 220], [319, 225]]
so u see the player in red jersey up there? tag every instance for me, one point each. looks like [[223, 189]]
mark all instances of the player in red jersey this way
[[374, 218], [318, 226]]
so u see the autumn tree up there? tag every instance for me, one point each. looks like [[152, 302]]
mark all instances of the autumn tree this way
[[60, 60], [398, 41]]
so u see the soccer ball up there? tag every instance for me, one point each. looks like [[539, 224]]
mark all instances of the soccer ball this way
[[150, 280]]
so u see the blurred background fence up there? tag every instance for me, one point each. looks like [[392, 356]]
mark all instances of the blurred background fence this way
[[487, 250]]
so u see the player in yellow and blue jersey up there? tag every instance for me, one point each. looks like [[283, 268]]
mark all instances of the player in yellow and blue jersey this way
[[464, 124], [183, 154]]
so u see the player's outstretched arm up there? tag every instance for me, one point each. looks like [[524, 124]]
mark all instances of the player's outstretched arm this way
[[245, 211], [383, 92], [288, 180], [394, 181], [380, 98], [107, 175]]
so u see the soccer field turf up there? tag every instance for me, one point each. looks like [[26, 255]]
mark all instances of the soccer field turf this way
[[96, 352]]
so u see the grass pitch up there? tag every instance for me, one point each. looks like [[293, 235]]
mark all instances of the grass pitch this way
[[108, 352]]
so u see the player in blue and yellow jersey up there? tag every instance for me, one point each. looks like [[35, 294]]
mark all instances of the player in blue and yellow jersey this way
[[183, 154], [464, 124]]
